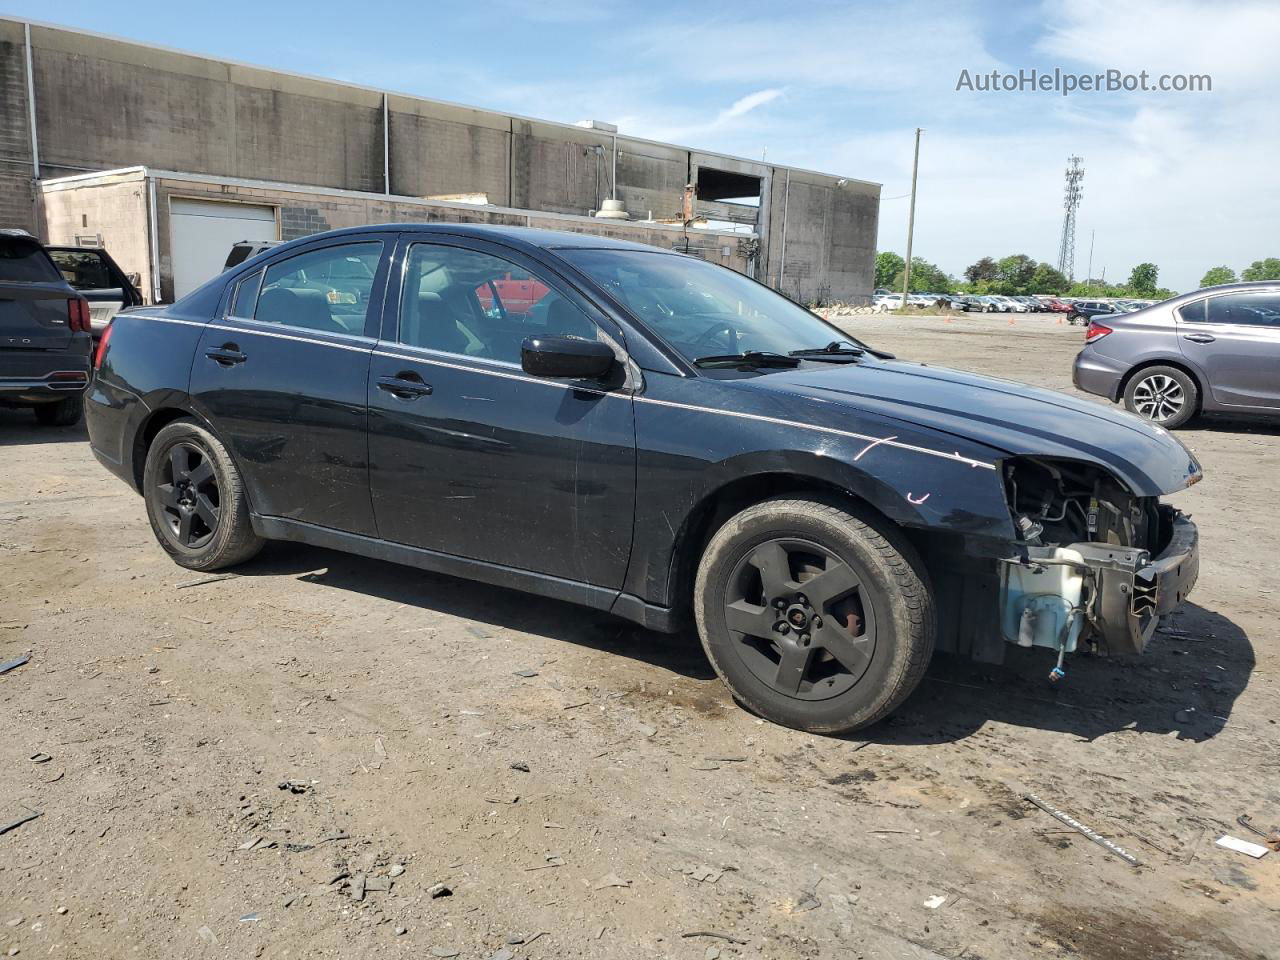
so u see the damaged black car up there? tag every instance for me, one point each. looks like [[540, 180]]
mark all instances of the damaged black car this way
[[649, 434]]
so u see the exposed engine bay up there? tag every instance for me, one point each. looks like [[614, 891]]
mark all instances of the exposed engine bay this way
[[1083, 571]]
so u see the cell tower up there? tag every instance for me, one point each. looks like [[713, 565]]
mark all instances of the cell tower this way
[[1071, 201]]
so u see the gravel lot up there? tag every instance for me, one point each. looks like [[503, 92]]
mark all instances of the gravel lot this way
[[616, 804]]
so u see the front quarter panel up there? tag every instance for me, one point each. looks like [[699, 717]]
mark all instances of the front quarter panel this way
[[695, 436]]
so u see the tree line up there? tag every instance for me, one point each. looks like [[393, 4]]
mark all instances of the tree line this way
[[1268, 269], [1019, 275]]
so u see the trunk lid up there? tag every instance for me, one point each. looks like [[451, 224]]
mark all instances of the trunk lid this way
[[33, 297]]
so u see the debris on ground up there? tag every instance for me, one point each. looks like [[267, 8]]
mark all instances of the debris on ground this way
[[610, 880], [1255, 850], [40, 758], [439, 890], [934, 902], [711, 933], [527, 674], [6, 827], [521, 766], [1080, 828], [396, 870], [294, 786], [1269, 840], [14, 663]]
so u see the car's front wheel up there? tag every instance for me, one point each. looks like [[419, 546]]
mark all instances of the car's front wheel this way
[[815, 616], [1164, 395], [196, 500]]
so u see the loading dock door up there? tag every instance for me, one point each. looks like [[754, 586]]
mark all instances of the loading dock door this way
[[202, 233]]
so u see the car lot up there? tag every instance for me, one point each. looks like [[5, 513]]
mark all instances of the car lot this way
[[652, 808]]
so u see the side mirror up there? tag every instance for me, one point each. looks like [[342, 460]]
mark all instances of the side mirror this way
[[567, 357]]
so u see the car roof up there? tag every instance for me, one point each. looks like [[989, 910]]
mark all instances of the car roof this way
[[526, 237]]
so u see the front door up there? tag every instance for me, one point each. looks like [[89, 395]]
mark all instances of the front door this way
[[472, 457], [283, 378], [1234, 338]]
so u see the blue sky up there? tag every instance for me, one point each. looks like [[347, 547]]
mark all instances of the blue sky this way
[[1185, 180]]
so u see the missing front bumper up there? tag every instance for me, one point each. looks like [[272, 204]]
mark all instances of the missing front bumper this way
[[1116, 596]]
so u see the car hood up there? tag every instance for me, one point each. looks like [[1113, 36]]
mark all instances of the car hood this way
[[1010, 417]]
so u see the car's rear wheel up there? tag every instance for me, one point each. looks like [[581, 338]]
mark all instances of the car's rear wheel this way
[[815, 616], [63, 413], [196, 500], [1163, 395]]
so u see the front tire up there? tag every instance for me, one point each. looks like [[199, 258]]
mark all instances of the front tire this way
[[196, 500], [814, 615], [64, 413], [1163, 395]]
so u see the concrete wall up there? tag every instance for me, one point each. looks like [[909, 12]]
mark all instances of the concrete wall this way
[[104, 104], [116, 205]]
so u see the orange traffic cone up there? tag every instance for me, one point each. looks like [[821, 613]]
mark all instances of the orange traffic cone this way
[[1059, 320], [1012, 321]]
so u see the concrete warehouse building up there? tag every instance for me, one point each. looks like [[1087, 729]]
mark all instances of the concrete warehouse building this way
[[167, 158]]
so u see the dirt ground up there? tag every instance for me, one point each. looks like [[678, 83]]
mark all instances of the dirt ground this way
[[585, 788]]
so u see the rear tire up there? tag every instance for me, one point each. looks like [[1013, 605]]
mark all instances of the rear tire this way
[[195, 499], [1163, 395], [64, 413], [854, 599]]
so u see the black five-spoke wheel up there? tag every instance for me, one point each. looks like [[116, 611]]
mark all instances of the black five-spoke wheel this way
[[196, 500], [801, 622], [814, 612], [189, 494]]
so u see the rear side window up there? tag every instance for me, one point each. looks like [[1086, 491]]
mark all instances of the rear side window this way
[[245, 296], [1245, 309], [1192, 312], [24, 261], [326, 289]]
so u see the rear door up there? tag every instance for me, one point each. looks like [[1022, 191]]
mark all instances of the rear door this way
[[33, 298], [472, 457], [1234, 339], [283, 376]]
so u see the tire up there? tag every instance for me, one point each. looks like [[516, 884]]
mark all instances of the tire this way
[[1163, 395], [195, 499], [64, 413], [863, 648]]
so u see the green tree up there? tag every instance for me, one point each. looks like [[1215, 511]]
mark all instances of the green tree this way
[[888, 266], [1046, 279], [1268, 269], [925, 278], [1013, 274], [1216, 275], [1143, 278], [983, 270]]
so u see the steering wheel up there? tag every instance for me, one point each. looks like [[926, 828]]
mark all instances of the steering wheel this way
[[715, 329]]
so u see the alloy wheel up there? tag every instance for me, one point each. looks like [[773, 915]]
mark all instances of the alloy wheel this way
[[188, 495], [1159, 398], [801, 622]]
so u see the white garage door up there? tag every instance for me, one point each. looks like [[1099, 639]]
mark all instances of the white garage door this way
[[202, 233]]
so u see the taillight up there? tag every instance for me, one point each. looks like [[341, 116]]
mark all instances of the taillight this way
[[78, 315], [1096, 331], [102, 346]]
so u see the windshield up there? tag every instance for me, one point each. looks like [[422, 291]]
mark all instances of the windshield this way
[[701, 309]]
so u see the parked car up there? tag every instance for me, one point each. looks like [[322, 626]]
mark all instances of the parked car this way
[[1009, 304], [989, 304], [1082, 311], [98, 278], [45, 339], [887, 301], [1058, 305], [671, 441], [1213, 351], [247, 250]]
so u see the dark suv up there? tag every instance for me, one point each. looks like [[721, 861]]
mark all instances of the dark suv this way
[[45, 333], [662, 438]]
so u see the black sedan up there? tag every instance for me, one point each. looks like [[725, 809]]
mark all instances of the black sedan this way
[[647, 434]]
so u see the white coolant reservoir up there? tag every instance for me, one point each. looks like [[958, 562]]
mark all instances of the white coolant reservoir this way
[[1040, 604]]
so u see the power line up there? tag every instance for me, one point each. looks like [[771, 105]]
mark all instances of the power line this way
[[1071, 203]]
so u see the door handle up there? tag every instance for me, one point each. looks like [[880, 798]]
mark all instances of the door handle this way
[[404, 386], [1198, 337], [226, 355]]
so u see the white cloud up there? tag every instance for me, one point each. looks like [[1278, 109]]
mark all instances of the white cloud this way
[[744, 105]]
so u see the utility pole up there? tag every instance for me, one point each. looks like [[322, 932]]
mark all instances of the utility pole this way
[[911, 220], [1089, 275], [1070, 203]]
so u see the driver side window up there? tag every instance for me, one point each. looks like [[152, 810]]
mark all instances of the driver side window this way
[[462, 301]]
